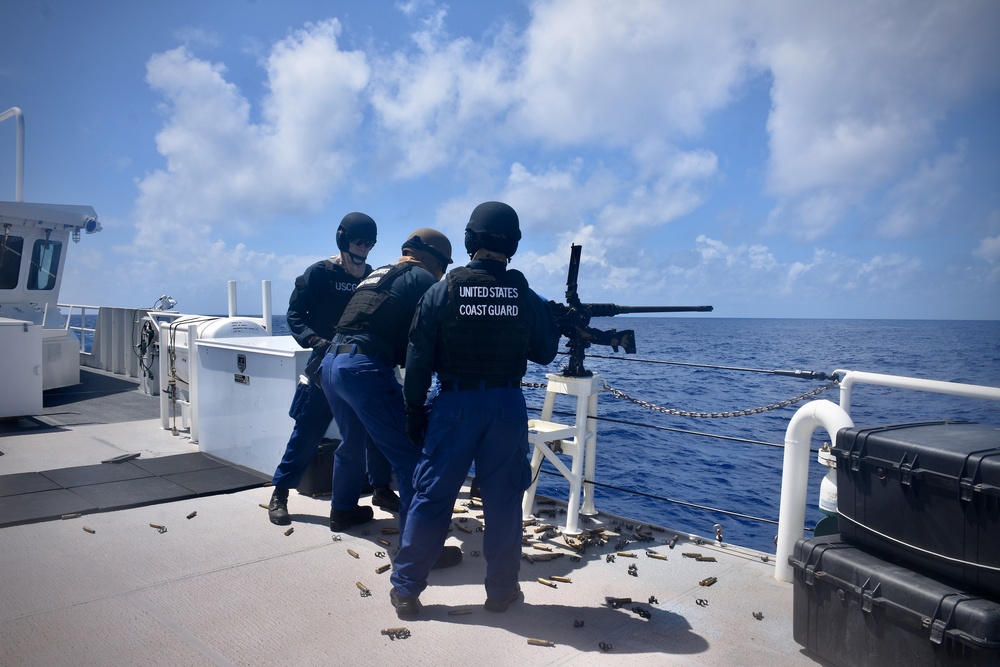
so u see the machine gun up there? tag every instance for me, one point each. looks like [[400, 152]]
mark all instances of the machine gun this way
[[573, 320]]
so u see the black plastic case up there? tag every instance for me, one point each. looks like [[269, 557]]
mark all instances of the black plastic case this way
[[317, 480], [926, 494], [853, 609]]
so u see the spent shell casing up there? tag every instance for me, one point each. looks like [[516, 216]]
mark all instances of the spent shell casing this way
[[390, 531], [158, 526], [626, 554], [353, 553], [192, 515], [540, 642], [653, 554], [394, 631], [70, 516], [460, 612], [384, 543], [463, 528], [289, 531], [362, 587], [707, 581], [546, 582], [383, 568], [89, 530], [706, 559], [541, 547], [564, 580], [263, 505]]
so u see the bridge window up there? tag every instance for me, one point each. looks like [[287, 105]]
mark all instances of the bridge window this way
[[44, 265], [10, 260]]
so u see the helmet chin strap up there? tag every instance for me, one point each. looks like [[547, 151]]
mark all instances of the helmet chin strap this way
[[356, 266]]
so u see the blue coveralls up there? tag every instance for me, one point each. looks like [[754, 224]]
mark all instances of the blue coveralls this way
[[365, 396], [486, 426], [314, 307]]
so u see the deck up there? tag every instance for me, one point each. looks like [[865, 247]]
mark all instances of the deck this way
[[222, 586]]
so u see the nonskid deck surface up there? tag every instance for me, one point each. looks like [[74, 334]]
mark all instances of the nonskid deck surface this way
[[209, 581], [118, 483]]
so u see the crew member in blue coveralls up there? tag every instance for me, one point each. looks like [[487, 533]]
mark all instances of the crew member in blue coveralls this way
[[314, 308], [359, 379], [477, 329]]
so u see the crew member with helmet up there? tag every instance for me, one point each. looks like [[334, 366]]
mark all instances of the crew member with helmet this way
[[477, 330], [316, 304], [359, 379]]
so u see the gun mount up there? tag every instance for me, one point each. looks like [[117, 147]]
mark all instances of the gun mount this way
[[573, 320]]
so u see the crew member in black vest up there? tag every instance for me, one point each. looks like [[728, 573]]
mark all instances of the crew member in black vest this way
[[477, 330], [358, 374], [314, 308]]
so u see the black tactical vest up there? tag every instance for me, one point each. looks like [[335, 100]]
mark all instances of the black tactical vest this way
[[372, 311], [485, 335]]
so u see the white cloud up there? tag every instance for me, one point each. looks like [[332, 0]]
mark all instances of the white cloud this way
[[752, 271], [195, 37], [593, 122], [920, 202], [225, 169], [440, 102], [988, 250], [619, 72], [858, 88]]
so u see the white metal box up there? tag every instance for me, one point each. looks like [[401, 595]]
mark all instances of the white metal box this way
[[20, 368], [244, 389]]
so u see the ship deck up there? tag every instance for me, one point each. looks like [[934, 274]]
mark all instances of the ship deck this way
[[220, 585]]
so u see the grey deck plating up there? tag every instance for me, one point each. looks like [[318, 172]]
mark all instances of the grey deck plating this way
[[225, 587]]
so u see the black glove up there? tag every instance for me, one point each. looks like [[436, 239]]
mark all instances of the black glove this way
[[318, 344], [416, 424]]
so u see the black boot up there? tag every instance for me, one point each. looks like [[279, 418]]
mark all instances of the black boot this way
[[386, 498], [277, 509], [341, 520]]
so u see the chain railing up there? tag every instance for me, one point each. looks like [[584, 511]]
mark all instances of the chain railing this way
[[618, 393]]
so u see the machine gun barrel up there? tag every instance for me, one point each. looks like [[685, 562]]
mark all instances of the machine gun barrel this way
[[612, 309], [573, 319]]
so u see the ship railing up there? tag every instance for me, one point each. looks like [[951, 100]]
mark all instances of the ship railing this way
[[814, 414], [833, 418], [850, 378], [81, 330], [111, 343]]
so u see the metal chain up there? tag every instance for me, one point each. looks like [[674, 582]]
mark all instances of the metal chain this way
[[617, 393]]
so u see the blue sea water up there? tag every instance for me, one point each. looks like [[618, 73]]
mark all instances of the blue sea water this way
[[734, 475], [667, 458]]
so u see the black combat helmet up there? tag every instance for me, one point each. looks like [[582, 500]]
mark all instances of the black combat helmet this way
[[432, 242], [355, 226], [494, 226]]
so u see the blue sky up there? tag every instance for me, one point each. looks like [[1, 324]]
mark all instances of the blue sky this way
[[773, 159]]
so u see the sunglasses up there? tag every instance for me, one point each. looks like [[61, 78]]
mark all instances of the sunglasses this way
[[368, 243]]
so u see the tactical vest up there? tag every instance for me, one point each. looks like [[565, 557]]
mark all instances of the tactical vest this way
[[373, 311], [485, 335], [332, 296]]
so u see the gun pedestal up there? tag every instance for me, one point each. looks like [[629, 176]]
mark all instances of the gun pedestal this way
[[578, 441]]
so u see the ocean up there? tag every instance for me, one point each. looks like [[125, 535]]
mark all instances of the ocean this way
[[685, 465], [667, 470]]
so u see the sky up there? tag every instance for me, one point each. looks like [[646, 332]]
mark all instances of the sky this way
[[769, 158]]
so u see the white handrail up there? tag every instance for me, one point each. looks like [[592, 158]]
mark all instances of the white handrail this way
[[795, 468], [15, 112], [850, 378], [795, 474]]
